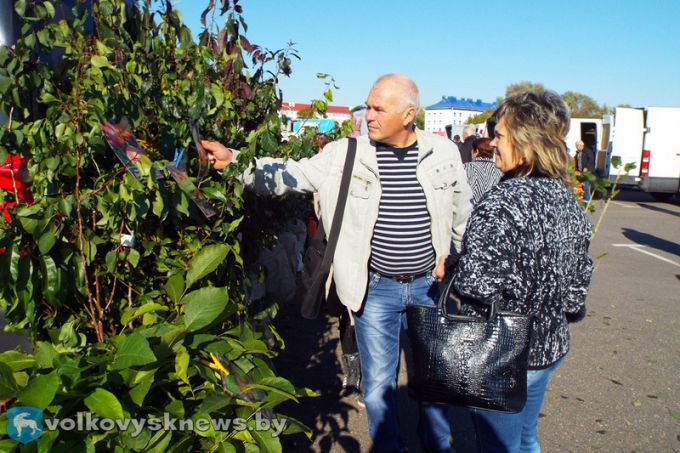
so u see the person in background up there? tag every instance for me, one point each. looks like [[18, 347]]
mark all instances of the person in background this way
[[456, 140], [408, 205], [527, 244], [482, 172], [358, 121], [465, 147], [584, 160]]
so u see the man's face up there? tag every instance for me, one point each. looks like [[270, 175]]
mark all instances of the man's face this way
[[579, 146], [384, 118], [506, 157]]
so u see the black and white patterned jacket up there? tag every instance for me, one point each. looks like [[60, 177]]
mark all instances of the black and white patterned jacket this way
[[528, 239]]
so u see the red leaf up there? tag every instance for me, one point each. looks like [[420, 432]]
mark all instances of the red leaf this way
[[245, 44]]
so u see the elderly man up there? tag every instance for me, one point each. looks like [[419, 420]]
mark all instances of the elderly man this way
[[465, 147], [407, 208], [585, 160]]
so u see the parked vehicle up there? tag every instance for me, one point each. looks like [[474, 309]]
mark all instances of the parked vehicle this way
[[647, 137], [588, 130]]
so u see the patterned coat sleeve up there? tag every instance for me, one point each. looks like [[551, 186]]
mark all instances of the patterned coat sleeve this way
[[486, 266], [575, 297]]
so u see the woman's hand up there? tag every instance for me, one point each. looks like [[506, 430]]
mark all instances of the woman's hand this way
[[219, 155]]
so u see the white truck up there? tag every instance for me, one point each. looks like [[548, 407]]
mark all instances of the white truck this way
[[647, 137], [588, 130]]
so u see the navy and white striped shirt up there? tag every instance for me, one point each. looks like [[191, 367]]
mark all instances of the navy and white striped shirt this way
[[402, 241]]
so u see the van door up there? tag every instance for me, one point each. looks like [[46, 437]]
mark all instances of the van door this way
[[663, 150], [626, 145]]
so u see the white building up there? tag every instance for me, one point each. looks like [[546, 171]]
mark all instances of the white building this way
[[452, 111]]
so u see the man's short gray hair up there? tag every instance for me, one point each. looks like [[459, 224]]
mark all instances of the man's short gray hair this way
[[409, 91], [469, 130]]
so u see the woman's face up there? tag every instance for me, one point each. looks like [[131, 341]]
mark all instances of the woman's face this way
[[506, 157]]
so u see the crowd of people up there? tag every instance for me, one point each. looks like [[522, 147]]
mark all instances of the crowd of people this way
[[503, 205]]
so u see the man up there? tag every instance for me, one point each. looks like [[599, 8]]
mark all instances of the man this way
[[465, 147], [456, 140], [408, 204], [585, 160]]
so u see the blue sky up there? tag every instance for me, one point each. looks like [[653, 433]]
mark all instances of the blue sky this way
[[623, 51]]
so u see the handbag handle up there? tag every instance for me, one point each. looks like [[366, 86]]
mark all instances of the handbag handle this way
[[459, 299]]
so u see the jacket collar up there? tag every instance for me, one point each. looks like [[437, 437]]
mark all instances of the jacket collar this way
[[370, 159]]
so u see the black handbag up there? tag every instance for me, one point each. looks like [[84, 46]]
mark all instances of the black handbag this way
[[471, 361], [319, 255]]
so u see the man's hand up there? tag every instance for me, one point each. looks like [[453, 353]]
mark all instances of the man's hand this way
[[439, 272], [219, 155]]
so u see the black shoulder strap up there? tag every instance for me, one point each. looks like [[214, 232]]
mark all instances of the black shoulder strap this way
[[340, 206]]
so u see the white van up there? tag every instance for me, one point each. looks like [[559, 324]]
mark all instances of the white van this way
[[647, 137], [588, 130]]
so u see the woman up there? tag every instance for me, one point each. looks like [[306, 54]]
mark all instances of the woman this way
[[528, 240], [482, 173]]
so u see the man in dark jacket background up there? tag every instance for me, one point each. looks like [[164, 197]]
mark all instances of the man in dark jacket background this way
[[585, 160], [465, 147]]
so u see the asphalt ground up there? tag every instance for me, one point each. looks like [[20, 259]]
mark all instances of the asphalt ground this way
[[618, 389]]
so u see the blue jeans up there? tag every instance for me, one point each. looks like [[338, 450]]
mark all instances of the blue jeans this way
[[586, 191], [378, 326], [510, 433]]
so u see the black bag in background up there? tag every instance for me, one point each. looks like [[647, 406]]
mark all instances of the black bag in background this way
[[319, 254], [470, 361]]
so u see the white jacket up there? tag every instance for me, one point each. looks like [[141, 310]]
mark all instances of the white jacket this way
[[439, 171]]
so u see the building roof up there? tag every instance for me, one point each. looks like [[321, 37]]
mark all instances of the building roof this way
[[452, 102], [296, 107]]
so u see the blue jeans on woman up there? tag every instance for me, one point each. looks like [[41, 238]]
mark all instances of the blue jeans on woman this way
[[511, 433], [378, 326]]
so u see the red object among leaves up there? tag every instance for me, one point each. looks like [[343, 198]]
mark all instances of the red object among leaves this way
[[8, 183]]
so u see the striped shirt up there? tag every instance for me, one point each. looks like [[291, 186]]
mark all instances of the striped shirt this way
[[402, 241], [482, 175]]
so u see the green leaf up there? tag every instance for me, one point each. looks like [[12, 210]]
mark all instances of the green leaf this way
[[16, 360], [47, 241], [214, 401], [133, 257], [205, 262], [203, 306], [104, 404], [134, 350], [99, 61], [20, 7], [182, 364], [265, 439], [138, 393], [51, 278], [136, 312], [49, 7], [5, 82], [158, 205], [174, 287], [8, 385], [40, 390], [159, 442], [8, 444], [675, 415], [45, 354]]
